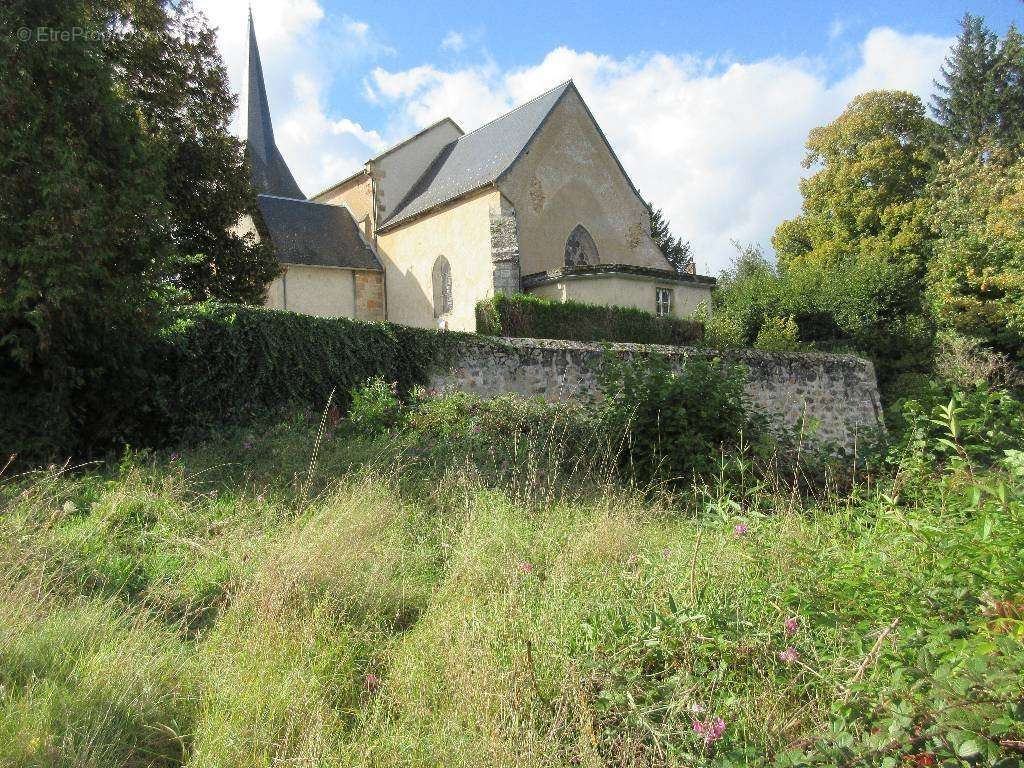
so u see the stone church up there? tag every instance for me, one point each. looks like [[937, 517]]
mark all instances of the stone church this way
[[534, 201]]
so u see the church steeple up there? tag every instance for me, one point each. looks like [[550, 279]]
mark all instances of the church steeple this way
[[269, 170]]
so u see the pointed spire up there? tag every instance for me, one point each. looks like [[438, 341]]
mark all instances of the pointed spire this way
[[269, 170]]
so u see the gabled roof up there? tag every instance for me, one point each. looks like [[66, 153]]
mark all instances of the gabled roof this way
[[270, 173], [315, 234], [477, 158]]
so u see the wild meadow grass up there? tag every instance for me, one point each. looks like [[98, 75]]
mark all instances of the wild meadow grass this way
[[240, 603]]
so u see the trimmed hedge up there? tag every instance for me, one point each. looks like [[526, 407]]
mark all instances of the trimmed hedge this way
[[230, 362], [215, 365], [532, 317]]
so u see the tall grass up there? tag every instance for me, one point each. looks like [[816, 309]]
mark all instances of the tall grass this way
[[391, 605]]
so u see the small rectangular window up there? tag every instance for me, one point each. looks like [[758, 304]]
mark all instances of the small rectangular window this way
[[662, 301]]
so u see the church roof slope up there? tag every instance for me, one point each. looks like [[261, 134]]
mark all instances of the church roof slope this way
[[477, 158], [315, 234]]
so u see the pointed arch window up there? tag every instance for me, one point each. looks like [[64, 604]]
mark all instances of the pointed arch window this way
[[580, 250], [441, 279]]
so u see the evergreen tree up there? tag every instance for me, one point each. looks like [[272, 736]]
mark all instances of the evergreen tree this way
[[83, 225], [675, 249], [167, 64], [1009, 92], [966, 100], [981, 95]]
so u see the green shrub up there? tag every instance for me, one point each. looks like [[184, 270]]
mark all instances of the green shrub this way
[[675, 423], [375, 406], [779, 334], [228, 364], [972, 428], [533, 317]]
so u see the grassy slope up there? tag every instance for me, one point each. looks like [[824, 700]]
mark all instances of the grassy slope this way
[[231, 607]]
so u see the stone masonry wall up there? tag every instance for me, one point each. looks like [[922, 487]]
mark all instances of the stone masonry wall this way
[[505, 252], [369, 300], [832, 399]]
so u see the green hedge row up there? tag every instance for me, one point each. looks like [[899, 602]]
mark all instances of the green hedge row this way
[[215, 365], [231, 362], [532, 317]]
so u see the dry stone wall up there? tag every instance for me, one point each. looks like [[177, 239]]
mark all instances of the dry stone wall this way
[[831, 399]]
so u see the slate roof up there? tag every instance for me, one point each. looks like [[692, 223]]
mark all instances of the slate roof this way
[[477, 158], [270, 173], [315, 234]]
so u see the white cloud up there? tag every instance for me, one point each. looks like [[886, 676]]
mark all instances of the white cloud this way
[[453, 41], [836, 29], [717, 145]]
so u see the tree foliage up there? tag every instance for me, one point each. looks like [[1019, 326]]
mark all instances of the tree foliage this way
[[980, 96], [83, 219], [676, 250], [977, 274], [852, 265], [165, 60]]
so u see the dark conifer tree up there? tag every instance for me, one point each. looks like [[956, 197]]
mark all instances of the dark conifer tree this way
[[675, 249], [165, 58], [966, 102]]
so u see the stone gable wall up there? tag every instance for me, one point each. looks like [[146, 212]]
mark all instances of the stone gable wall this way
[[832, 399]]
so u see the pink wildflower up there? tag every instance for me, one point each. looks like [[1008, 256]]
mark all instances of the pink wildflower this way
[[214, 493], [740, 529], [666, 552], [372, 682], [789, 655], [633, 559], [247, 445], [174, 456], [526, 567], [259, 499], [711, 730], [792, 624]]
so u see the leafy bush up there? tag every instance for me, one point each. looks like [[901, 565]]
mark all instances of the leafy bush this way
[[675, 423], [375, 406], [533, 317], [973, 428], [779, 334]]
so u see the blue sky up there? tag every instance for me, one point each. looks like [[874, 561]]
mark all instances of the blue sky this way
[[707, 104]]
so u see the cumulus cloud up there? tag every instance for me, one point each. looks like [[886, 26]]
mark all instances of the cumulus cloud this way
[[716, 144]]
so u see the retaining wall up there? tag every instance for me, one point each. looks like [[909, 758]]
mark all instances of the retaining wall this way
[[831, 399]]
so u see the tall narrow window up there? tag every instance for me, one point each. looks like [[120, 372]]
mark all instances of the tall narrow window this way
[[580, 249], [662, 301], [442, 283]]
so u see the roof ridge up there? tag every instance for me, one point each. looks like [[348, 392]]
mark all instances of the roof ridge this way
[[307, 201], [411, 137], [503, 115]]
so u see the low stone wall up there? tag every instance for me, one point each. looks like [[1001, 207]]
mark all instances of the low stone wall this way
[[832, 399]]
